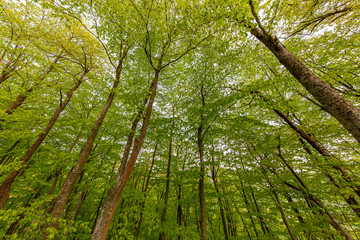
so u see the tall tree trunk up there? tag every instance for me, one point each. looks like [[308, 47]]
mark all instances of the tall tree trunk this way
[[349, 199], [323, 151], [6, 185], [67, 187], [6, 155], [283, 216], [221, 206], [179, 218], [107, 212], [232, 228], [162, 235], [335, 104], [144, 190], [279, 205], [322, 209], [202, 168], [263, 225], [240, 215], [77, 208], [247, 204]]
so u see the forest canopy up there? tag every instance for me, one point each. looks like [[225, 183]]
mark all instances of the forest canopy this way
[[175, 119]]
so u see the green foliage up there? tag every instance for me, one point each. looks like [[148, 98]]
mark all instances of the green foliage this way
[[214, 76]]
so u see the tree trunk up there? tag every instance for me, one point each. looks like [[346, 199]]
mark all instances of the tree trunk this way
[[283, 216], [6, 155], [247, 204], [221, 206], [6, 185], [22, 96], [240, 215], [322, 150], [9, 68], [349, 199], [162, 235], [303, 189], [144, 190], [202, 168], [332, 102], [107, 212], [61, 200]]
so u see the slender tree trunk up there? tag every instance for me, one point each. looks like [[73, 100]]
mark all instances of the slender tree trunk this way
[[229, 216], [349, 199], [107, 212], [22, 96], [240, 215], [144, 190], [6, 185], [296, 210], [202, 168], [77, 208], [335, 104], [248, 207], [279, 205], [201, 188], [303, 189], [162, 235], [9, 69], [323, 151], [179, 218], [67, 187], [6, 155], [263, 225], [221, 206], [283, 216]]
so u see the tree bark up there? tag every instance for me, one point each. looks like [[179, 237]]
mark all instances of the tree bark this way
[[61, 200], [283, 216], [107, 212], [6, 185], [242, 220], [349, 199], [332, 102]]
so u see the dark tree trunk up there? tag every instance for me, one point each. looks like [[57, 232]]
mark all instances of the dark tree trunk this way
[[240, 215], [162, 235], [9, 68], [179, 218], [6, 155], [322, 150], [220, 202], [283, 216], [200, 138]]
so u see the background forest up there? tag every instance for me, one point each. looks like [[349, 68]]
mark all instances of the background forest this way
[[175, 119]]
